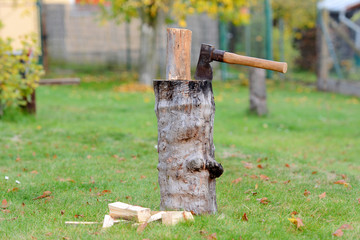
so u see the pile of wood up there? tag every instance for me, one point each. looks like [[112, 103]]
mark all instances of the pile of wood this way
[[143, 216], [139, 216]]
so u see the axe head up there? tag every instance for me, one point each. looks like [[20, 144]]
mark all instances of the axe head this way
[[208, 53]]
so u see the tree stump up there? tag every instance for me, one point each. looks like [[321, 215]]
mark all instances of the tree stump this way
[[257, 87], [185, 113]]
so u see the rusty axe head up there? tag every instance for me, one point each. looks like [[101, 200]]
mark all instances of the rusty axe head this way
[[208, 54]]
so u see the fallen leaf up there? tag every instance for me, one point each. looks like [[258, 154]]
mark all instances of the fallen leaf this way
[[128, 197], [235, 181], [338, 233], [287, 165], [34, 172], [286, 182], [45, 194], [260, 166], [296, 221], [253, 176], [264, 200], [259, 160], [306, 193], [343, 176], [78, 215], [142, 177], [314, 172], [359, 200], [264, 177], [13, 190], [48, 234], [62, 212], [346, 226], [343, 182], [294, 213], [6, 211], [244, 217], [247, 165], [4, 204], [323, 195], [256, 186], [142, 227]]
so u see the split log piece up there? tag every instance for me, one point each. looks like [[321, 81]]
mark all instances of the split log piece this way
[[171, 218], [129, 212]]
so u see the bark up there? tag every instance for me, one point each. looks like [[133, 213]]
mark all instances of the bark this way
[[187, 167], [258, 91]]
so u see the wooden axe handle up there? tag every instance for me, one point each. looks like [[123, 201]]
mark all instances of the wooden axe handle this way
[[255, 62]]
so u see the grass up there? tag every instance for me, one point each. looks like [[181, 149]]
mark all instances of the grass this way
[[89, 138]]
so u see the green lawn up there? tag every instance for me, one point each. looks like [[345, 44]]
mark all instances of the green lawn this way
[[89, 138]]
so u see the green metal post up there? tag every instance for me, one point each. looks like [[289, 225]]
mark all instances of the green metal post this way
[[128, 47], [223, 41], [269, 35]]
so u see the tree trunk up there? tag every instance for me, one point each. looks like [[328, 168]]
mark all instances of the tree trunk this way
[[148, 56], [257, 87], [187, 167]]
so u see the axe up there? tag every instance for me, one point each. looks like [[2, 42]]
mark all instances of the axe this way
[[209, 53]]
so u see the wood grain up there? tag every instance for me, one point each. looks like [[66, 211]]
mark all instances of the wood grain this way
[[255, 62], [178, 54]]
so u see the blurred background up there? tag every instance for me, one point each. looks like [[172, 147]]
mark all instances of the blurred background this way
[[320, 40]]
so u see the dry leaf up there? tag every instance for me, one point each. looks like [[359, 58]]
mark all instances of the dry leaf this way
[[4, 204], [253, 176], [78, 215], [294, 213], [247, 165], [296, 221], [342, 182], [286, 182], [264, 200], [34, 172], [235, 181], [256, 186], [13, 190], [287, 165], [338, 233], [48, 234], [142, 227], [264, 177], [259, 160], [343, 176], [323, 195], [62, 212], [244, 217], [314, 172], [45, 194], [260, 166], [346, 226], [142, 177], [306, 193]]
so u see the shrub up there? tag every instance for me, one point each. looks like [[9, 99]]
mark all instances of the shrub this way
[[19, 72]]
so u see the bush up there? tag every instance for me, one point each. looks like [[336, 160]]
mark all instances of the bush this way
[[19, 73]]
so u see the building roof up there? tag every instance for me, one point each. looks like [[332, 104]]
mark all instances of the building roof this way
[[338, 5]]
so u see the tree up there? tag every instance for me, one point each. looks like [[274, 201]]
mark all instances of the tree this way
[[154, 13]]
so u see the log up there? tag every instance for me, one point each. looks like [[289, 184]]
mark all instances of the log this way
[[60, 81], [178, 54], [171, 218], [129, 212], [187, 166], [257, 87], [185, 113]]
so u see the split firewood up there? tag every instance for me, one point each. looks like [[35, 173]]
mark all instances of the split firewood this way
[[81, 223], [171, 218], [129, 212], [108, 221]]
